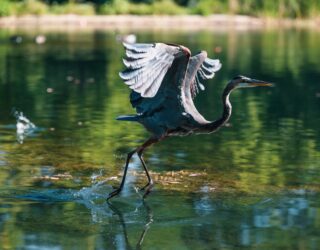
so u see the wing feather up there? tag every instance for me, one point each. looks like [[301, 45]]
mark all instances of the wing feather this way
[[128, 75], [136, 55], [139, 47], [143, 77], [150, 76], [147, 65], [201, 68], [137, 63], [153, 88]]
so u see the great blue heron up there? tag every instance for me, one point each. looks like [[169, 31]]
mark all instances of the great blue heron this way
[[164, 79]]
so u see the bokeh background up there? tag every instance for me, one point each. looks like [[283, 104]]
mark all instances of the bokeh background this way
[[274, 8]]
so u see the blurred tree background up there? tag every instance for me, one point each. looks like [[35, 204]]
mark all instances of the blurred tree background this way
[[259, 8]]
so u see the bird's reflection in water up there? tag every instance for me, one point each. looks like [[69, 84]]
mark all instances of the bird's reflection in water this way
[[146, 227]]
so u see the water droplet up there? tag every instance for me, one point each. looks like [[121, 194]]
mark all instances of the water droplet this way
[[24, 126], [50, 90]]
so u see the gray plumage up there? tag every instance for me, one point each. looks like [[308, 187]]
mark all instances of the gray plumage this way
[[165, 79]]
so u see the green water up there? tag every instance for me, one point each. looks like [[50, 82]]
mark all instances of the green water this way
[[252, 185]]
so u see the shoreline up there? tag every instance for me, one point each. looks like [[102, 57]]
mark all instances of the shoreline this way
[[132, 22]]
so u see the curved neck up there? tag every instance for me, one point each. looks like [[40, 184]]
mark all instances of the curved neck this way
[[227, 110]]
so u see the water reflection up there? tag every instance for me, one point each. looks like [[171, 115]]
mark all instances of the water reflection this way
[[286, 219], [120, 243], [257, 224]]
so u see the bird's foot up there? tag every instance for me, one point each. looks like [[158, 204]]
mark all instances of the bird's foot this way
[[114, 193], [144, 187], [150, 183], [148, 189]]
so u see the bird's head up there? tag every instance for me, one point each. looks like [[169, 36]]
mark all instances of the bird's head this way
[[246, 82]]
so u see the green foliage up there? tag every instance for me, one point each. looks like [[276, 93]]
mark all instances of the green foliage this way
[[5, 8], [207, 7], [140, 9], [31, 7], [274, 8], [71, 8], [116, 7], [159, 7], [281, 8], [167, 7]]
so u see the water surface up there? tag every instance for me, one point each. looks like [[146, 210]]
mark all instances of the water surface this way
[[252, 185]]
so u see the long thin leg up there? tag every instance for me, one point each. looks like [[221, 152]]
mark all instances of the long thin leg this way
[[118, 190], [150, 181], [140, 150], [148, 187]]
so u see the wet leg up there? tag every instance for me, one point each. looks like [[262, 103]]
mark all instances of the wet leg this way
[[148, 187], [118, 190]]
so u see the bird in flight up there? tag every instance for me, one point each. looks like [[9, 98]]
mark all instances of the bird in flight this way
[[165, 79]]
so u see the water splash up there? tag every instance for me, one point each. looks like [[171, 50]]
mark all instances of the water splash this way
[[24, 126], [94, 193], [94, 199], [95, 176]]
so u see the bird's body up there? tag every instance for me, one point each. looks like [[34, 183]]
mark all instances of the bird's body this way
[[171, 110], [164, 79]]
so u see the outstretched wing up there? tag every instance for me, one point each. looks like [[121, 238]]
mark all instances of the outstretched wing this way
[[200, 68], [147, 65]]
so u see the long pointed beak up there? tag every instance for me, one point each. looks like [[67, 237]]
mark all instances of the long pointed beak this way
[[259, 83]]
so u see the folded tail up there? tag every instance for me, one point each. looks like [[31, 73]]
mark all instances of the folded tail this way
[[132, 118]]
